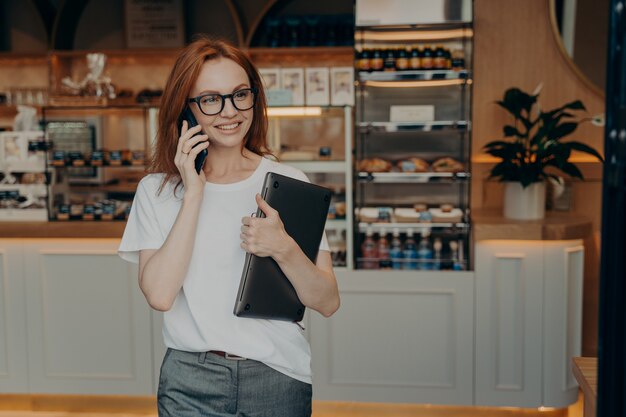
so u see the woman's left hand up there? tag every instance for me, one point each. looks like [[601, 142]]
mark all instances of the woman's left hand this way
[[264, 236]]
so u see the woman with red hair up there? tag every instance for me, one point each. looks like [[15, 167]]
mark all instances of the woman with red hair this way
[[190, 228]]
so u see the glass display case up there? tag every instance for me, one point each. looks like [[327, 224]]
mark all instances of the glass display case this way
[[412, 150], [96, 157], [23, 176], [318, 141]]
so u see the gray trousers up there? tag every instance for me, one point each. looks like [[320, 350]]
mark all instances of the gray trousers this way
[[205, 384]]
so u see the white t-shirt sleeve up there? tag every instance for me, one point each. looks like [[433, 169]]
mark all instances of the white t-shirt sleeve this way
[[142, 228], [324, 243]]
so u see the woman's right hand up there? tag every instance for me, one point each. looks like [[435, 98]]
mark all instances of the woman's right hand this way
[[185, 158]]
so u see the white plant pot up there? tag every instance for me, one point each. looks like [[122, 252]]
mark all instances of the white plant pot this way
[[524, 203]]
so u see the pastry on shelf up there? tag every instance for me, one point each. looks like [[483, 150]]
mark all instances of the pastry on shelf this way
[[447, 164], [446, 213], [406, 215], [375, 214], [419, 207], [413, 164], [368, 214], [374, 165], [446, 207], [424, 214]]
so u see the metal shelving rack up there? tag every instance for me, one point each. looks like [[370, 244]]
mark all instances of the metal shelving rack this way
[[447, 134]]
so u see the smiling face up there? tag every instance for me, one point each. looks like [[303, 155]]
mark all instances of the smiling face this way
[[229, 127]]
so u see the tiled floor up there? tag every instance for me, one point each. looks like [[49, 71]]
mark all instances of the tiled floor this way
[[355, 410], [66, 414]]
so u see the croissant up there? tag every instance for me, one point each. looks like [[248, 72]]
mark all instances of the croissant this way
[[447, 164], [374, 165], [413, 164]]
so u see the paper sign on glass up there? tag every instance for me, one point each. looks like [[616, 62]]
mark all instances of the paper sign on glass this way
[[317, 86], [292, 79], [342, 86]]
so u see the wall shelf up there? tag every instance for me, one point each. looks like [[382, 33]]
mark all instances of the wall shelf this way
[[403, 227], [318, 166], [412, 177], [390, 127], [413, 75]]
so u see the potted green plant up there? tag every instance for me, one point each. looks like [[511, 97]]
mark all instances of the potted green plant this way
[[535, 150]]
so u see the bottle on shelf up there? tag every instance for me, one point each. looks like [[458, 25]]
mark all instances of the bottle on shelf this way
[[337, 246], [439, 60], [402, 59], [369, 251], [454, 255], [424, 251], [384, 257], [389, 60], [395, 251], [437, 246], [459, 265], [415, 60], [376, 60], [448, 56], [427, 58], [410, 251], [363, 60], [458, 59]]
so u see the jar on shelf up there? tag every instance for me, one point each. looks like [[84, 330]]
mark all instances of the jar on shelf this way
[[458, 59], [363, 60], [439, 60], [389, 60], [415, 58], [402, 59], [427, 60], [376, 60]]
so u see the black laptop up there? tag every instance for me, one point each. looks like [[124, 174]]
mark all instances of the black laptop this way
[[264, 291]]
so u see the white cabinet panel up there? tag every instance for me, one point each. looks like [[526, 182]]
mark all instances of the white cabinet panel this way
[[13, 360], [88, 324], [158, 347], [528, 322], [398, 337], [508, 323], [562, 320]]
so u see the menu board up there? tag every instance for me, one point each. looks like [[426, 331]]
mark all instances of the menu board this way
[[154, 23]]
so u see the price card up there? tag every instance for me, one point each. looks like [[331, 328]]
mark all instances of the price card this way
[[412, 113]]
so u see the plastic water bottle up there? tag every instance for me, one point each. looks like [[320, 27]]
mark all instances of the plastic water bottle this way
[[437, 246], [384, 257], [425, 251], [454, 254], [460, 263], [395, 251], [410, 251], [369, 251]]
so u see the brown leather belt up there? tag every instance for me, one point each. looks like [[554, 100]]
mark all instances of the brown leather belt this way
[[227, 355]]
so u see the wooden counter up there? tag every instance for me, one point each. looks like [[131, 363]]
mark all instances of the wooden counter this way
[[586, 373], [487, 224], [490, 224], [69, 229]]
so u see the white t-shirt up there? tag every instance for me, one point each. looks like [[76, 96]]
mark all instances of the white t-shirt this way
[[201, 318]]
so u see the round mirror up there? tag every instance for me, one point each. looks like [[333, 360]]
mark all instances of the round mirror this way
[[582, 28]]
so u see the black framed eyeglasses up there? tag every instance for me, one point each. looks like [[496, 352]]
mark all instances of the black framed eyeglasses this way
[[212, 104]]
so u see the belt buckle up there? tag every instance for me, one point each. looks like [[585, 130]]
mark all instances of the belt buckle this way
[[233, 357]]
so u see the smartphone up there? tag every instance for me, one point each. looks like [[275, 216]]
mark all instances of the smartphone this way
[[187, 114]]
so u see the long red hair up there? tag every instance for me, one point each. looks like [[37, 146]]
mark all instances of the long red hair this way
[[176, 93]]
